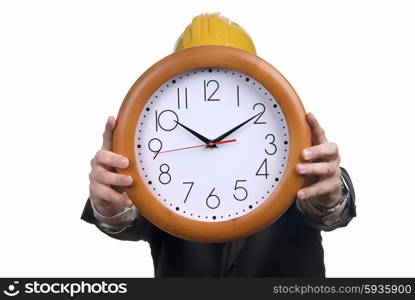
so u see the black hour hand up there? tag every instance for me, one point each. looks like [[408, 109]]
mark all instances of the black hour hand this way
[[198, 135]]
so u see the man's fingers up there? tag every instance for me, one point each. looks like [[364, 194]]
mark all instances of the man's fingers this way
[[322, 151], [109, 178], [128, 203], [102, 192], [319, 169], [320, 188], [111, 159], [108, 133], [319, 136]]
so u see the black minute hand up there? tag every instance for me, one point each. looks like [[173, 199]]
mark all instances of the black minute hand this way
[[219, 138], [198, 135]]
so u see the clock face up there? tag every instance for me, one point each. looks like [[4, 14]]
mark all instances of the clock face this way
[[211, 144]]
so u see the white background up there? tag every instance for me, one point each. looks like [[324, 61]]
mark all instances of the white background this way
[[66, 65]]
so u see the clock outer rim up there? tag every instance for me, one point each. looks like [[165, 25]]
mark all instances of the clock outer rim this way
[[220, 57]]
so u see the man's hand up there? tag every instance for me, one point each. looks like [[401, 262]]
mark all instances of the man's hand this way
[[106, 186], [323, 183]]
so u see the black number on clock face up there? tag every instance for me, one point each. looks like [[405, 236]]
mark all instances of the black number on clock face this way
[[208, 91], [179, 98], [264, 166], [262, 108], [212, 201], [155, 145], [166, 120], [164, 176], [242, 192], [274, 147], [188, 192], [237, 95]]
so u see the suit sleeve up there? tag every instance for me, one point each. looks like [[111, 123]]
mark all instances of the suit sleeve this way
[[139, 229], [342, 218]]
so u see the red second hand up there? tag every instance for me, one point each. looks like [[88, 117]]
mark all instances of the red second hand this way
[[204, 145]]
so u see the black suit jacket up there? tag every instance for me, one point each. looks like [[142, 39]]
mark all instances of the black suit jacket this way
[[289, 247]]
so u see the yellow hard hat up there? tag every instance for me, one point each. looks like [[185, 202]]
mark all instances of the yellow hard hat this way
[[214, 29]]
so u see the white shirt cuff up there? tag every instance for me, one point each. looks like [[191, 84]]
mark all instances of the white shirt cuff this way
[[329, 219], [118, 221]]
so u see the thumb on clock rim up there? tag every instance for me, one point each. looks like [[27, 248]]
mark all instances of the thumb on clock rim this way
[[107, 136]]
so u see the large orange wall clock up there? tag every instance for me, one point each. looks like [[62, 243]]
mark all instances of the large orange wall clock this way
[[213, 134]]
